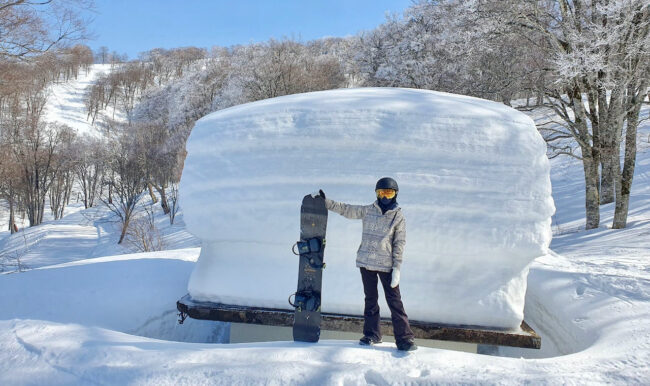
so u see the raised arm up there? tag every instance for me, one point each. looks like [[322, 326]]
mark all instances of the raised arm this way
[[346, 210]]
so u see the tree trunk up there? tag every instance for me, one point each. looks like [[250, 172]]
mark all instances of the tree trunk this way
[[590, 155], [154, 199], [125, 226], [592, 202], [611, 125], [12, 219], [69, 190], [623, 193], [163, 199], [31, 213], [609, 161], [41, 211]]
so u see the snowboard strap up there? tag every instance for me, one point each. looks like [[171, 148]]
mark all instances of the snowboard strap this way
[[307, 300], [312, 263], [308, 246]]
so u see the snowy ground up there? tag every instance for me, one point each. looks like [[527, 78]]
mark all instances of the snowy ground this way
[[83, 234], [65, 103], [86, 313]]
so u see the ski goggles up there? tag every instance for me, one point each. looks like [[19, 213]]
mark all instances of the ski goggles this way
[[386, 193]]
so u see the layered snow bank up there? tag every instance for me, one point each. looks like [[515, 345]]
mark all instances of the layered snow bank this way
[[474, 188]]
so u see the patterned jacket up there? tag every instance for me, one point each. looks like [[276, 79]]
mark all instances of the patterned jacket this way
[[384, 235]]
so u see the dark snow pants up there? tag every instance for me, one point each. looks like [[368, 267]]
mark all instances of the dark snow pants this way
[[401, 327]]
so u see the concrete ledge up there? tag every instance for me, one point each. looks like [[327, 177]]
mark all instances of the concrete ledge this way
[[525, 337]]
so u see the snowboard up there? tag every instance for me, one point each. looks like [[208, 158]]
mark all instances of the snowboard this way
[[310, 250]]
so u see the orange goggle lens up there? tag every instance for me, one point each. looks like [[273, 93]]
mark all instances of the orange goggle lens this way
[[386, 193]]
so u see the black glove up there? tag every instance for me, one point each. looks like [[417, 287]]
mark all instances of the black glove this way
[[320, 193]]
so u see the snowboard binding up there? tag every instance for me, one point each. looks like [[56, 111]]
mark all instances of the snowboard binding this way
[[308, 300], [307, 247]]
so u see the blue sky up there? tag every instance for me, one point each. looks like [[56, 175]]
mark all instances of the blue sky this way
[[134, 26]]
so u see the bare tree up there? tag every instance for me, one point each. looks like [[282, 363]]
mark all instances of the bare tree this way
[[30, 28], [9, 180], [63, 180], [38, 157], [143, 234], [12, 262], [173, 202], [60, 192], [95, 99], [128, 180], [34, 146], [160, 160], [122, 88], [88, 166], [102, 55]]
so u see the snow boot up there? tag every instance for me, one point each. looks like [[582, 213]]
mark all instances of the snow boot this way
[[407, 345], [368, 341]]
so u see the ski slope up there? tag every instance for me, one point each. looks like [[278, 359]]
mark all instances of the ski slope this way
[[76, 318], [65, 101]]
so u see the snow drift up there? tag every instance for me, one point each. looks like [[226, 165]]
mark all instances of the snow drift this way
[[474, 188]]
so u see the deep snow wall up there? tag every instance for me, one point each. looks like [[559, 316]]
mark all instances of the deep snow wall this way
[[474, 188]]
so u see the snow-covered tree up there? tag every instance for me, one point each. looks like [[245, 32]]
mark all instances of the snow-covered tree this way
[[443, 45], [275, 68], [598, 57], [587, 58]]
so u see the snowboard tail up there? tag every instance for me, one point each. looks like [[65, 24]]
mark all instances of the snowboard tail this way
[[311, 246]]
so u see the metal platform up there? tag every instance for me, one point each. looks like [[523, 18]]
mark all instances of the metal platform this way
[[526, 337]]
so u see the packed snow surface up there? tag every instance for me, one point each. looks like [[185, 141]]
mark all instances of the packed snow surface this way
[[474, 188]]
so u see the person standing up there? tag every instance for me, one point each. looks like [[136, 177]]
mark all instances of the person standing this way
[[379, 259]]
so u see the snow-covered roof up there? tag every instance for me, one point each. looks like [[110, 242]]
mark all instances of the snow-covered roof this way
[[474, 188]]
